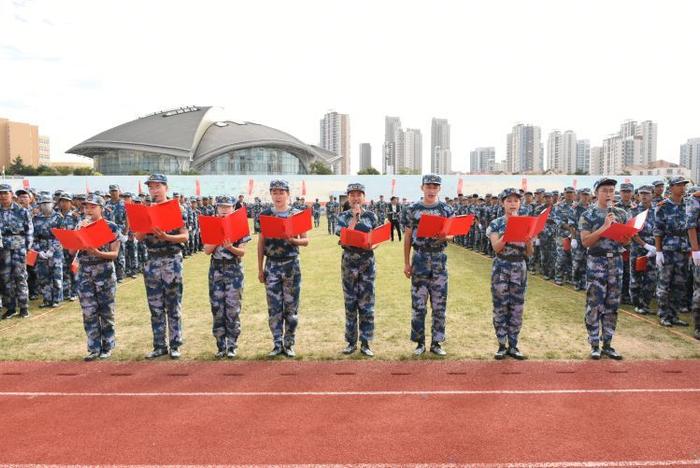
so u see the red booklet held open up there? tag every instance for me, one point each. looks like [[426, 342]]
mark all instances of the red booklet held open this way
[[166, 216], [216, 230], [620, 232], [434, 225], [365, 240], [521, 228], [31, 258], [280, 228], [94, 235]]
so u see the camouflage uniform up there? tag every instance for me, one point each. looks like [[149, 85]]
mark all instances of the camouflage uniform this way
[[18, 236], [548, 246], [358, 272], [332, 208], [561, 214], [49, 270], [628, 207], [670, 224], [381, 209], [578, 255], [603, 277], [429, 277], [693, 221], [117, 215], [97, 286], [643, 283], [508, 285], [282, 284], [70, 220], [316, 209]]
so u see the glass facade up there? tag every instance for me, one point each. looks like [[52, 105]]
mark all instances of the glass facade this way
[[125, 162], [257, 160]]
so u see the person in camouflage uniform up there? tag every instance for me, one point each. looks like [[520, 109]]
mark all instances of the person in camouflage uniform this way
[[332, 208], [281, 274], [316, 211], [193, 216], [578, 251], [97, 285], [564, 234], [381, 209], [130, 246], [17, 237], [603, 269], [358, 272], [643, 283], [670, 232], [226, 286], [626, 203], [508, 279], [658, 192], [427, 269], [693, 225], [162, 274], [256, 209], [49, 263], [115, 211], [547, 241]]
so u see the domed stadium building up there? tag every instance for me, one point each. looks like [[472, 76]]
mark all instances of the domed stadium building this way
[[199, 139]]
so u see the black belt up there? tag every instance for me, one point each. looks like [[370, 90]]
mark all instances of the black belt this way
[[603, 253], [678, 233], [360, 252], [224, 261], [93, 262], [162, 253], [10, 234], [281, 259], [511, 258], [436, 250]]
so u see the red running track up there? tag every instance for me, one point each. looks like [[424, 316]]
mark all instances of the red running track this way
[[352, 412]]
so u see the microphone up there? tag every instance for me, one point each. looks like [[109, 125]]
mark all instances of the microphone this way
[[610, 206]]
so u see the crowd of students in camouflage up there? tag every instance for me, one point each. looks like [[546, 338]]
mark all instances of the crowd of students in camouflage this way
[[568, 250]]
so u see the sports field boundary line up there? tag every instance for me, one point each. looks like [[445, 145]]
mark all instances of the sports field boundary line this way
[[552, 464]]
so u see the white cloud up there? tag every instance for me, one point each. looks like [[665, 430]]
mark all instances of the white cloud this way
[[77, 68]]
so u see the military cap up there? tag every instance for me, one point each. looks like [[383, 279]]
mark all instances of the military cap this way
[[431, 179], [527, 192], [99, 193], [95, 199], [113, 187], [585, 191], [224, 200], [159, 178], [539, 190], [80, 196], [645, 189], [488, 195], [569, 190], [57, 193], [5, 188], [508, 192], [65, 196], [355, 187], [44, 199], [176, 194], [193, 199], [678, 180], [547, 194], [626, 187], [604, 181], [279, 184], [555, 192], [657, 182], [21, 192], [127, 195]]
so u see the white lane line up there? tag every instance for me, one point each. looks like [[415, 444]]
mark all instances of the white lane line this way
[[355, 393]]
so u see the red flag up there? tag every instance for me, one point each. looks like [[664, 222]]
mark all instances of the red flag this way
[[87, 186], [523, 183], [25, 183], [393, 187], [250, 186], [140, 189], [303, 188], [197, 188], [460, 185], [628, 180], [575, 182]]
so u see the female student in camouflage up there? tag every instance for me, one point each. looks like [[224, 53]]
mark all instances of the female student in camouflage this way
[[226, 286], [358, 271], [508, 279], [49, 264], [97, 285], [281, 273], [428, 267], [603, 268]]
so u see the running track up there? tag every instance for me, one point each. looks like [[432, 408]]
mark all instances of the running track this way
[[352, 412]]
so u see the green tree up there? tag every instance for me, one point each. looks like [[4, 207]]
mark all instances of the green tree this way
[[408, 171], [84, 171], [320, 168], [368, 171]]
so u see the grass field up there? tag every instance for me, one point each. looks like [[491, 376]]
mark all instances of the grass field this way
[[553, 325]]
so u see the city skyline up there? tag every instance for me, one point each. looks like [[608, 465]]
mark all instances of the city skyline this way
[[72, 89]]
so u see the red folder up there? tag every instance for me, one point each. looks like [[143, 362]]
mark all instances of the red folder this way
[[94, 235], [74, 265], [521, 228], [282, 228], [215, 230], [641, 263], [31, 257], [622, 232], [166, 216], [365, 240], [434, 225]]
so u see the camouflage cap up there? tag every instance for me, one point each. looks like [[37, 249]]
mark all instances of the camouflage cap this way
[[65, 196], [44, 199], [127, 195], [547, 194], [21, 192], [224, 200], [5, 188], [604, 181], [355, 187], [157, 178], [80, 196], [585, 191], [645, 189], [176, 194], [488, 195], [677, 180], [57, 193], [555, 192], [95, 199], [431, 179], [508, 192], [539, 190], [626, 187], [279, 184], [569, 190], [657, 183], [527, 192], [113, 187]]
